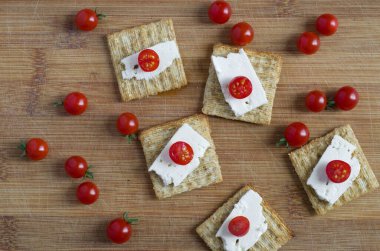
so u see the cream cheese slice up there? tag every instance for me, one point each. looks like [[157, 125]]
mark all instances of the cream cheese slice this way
[[167, 52]]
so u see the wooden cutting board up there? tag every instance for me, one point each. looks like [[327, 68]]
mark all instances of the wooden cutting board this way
[[43, 58]]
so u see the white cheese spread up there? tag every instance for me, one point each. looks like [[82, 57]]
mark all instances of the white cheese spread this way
[[167, 52]]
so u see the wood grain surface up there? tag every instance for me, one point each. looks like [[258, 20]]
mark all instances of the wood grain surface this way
[[43, 58]]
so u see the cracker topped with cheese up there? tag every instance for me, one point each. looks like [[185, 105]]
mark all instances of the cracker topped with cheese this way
[[333, 169], [241, 84], [245, 222], [146, 60], [181, 156]]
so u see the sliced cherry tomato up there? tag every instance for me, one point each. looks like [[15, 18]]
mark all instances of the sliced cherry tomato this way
[[316, 101], [239, 226], [181, 153], [120, 230], [87, 192], [87, 19], [240, 87], [327, 24], [34, 149], [75, 103], [296, 135], [241, 34], [219, 12], [346, 98], [338, 171], [148, 60], [76, 167], [127, 124], [308, 43]]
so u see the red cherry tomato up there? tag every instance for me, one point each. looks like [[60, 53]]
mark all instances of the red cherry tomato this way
[[75, 103], [240, 87], [181, 153], [120, 230], [308, 43], [87, 20], [297, 134], [35, 149], [346, 98], [338, 171], [327, 24], [148, 60], [316, 101], [76, 167], [127, 123], [239, 226], [219, 12], [241, 34], [87, 192]]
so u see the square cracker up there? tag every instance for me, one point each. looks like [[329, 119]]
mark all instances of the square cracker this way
[[305, 158], [277, 234], [268, 69], [130, 41], [208, 172]]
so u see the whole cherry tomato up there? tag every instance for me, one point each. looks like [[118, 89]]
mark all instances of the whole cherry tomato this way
[[308, 43], [346, 98], [241, 34], [34, 149], [127, 124], [75, 103], [296, 134], [316, 101], [219, 12], [87, 19], [239, 226], [76, 167], [327, 24], [338, 171], [120, 230], [240, 87], [181, 153], [87, 192], [148, 60]]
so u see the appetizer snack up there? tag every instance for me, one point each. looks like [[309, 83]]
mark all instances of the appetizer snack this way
[[174, 169], [146, 60], [266, 229], [322, 168], [257, 107]]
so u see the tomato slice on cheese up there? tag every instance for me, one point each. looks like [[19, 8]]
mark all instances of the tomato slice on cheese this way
[[239, 226], [181, 153], [240, 87], [338, 171], [148, 60]]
